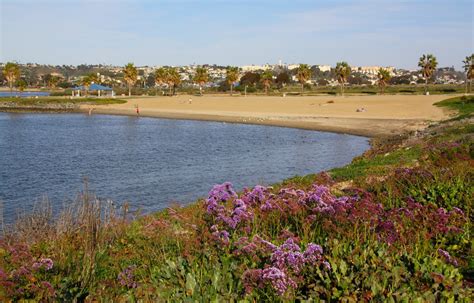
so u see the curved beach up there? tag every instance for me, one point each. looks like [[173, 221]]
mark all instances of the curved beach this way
[[371, 116]]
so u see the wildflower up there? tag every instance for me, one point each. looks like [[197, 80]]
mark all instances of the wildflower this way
[[127, 277], [447, 257], [278, 279], [45, 263], [313, 253], [252, 278]]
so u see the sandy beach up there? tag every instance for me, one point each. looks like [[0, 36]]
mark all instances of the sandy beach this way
[[371, 116]]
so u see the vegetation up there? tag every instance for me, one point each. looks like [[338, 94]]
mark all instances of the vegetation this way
[[303, 74], [267, 79], [232, 76], [11, 72], [383, 79], [394, 225], [130, 76], [201, 77], [174, 79], [343, 70], [428, 65], [469, 70]]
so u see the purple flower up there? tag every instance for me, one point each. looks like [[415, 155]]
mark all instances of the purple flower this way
[[278, 279], [127, 277], [45, 263], [447, 257], [313, 253]]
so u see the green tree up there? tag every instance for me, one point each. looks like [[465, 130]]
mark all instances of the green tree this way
[[428, 64], [283, 78], [11, 71], [130, 75], [21, 84], [201, 77], [469, 69], [161, 76], [342, 71], [173, 79], [303, 74], [383, 77], [232, 75], [86, 82], [267, 79]]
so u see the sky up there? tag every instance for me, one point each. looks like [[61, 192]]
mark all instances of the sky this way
[[236, 32]]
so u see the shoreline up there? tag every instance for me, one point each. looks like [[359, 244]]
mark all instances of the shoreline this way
[[368, 116], [364, 127]]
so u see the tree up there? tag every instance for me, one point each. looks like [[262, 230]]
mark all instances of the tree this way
[[282, 79], [267, 79], [130, 76], [11, 71], [250, 78], [161, 76], [86, 82], [201, 77], [21, 84], [173, 79], [428, 64], [383, 77], [303, 74], [342, 71], [232, 75], [469, 69]]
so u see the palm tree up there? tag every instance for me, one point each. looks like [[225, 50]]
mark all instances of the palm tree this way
[[130, 76], [201, 77], [173, 78], [428, 65], [232, 75], [343, 71], [11, 71], [469, 69], [86, 82], [303, 74], [161, 76], [383, 77], [267, 79]]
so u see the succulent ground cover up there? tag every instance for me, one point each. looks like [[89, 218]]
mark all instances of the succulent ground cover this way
[[394, 225]]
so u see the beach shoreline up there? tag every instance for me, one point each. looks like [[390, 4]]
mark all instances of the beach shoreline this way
[[369, 116]]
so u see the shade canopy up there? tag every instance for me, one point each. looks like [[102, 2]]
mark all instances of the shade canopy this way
[[93, 87]]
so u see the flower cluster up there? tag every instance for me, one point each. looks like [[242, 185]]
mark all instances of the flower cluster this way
[[126, 278], [45, 263], [447, 257], [286, 264]]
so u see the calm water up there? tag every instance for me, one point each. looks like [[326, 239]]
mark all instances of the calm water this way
[[151, 162], [23, 94]]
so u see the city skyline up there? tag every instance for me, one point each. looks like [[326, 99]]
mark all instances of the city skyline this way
[[363, 33]]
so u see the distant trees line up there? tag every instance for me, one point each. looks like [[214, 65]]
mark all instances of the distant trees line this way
[[169, 77]]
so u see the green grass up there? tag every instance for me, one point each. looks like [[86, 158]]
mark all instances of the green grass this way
[[377, 165], [55, 101], [464, 105]]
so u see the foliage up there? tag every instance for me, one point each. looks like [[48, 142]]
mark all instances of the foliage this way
[[428, 65], [11, 72], [343, 70], [383, 77], [303, 74], [130, 76]]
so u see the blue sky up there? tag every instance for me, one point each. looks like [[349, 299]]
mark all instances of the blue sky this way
[[376, 32]]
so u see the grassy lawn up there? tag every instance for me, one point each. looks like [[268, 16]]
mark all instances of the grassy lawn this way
[[464, 105]]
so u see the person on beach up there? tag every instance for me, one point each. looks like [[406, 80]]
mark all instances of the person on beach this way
[[138, 111]]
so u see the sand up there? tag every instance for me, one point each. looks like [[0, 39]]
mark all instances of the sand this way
[[371, 116]]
